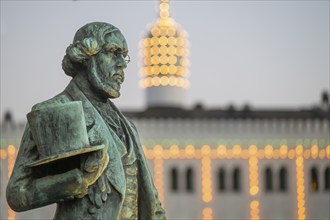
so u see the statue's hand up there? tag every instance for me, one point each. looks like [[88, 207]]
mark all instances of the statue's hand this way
[[94, 166], [79, 189]]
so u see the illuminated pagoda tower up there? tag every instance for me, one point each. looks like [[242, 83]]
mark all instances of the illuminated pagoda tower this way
[[165, 63]]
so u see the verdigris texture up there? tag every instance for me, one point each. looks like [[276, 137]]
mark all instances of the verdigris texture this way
[[78, 150]]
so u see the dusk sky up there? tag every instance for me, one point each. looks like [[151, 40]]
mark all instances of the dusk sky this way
[[265, 53]]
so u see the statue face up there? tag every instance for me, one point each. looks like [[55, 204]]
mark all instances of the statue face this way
[[107, 71]]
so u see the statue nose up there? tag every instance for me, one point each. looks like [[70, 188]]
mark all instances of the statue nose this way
[[121, 61]]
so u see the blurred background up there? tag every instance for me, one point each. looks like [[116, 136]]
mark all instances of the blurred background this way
[[231, 98]]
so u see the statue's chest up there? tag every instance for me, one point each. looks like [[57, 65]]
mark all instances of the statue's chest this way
[[130, 206]]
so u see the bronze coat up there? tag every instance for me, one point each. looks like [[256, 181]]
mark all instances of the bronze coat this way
[[24, 192]]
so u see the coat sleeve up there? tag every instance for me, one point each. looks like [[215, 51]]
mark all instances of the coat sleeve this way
[[24, 191]]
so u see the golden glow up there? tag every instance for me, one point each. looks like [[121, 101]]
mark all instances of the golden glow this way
[[155, 70], [11, 149], [171, 50], [155, 31], [154, 50], [163, 50], [254, 190], [190, 151], [164, 80], [253, 150], [11, 158], [11, 153], [180, 41], [206, 153], [163, 69], [172, 69], [147, 61], [11, 214], [154, 60], [155, 81], [207, 214], [315, 151], [322, 154], [184, 62], [172, 81], [154, 41], [307, 154], [268, 151], [254, 210], [146, 70], [163, 59], [300, 185], [283, 151], [172, 60], [276, 154], [181, 71], [174, 151], [221, 151], [171, 31], [146, 42], [171, 41], [206, 150], [206, 175], [158, 150], [163, 40], [299, 150], [164, 10], [245, 154], [146, 52], [166, 48], [291, 154], [237, 150], [164, 31], [164, 6], [253, 175], [3, 154]]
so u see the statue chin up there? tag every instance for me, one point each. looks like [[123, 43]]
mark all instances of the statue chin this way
[[103, 87], [108, 92], [113, 95]]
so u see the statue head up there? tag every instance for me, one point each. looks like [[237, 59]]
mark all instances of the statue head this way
[[99, 51]]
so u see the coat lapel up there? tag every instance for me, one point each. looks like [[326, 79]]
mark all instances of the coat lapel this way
[[98, 132], [151, 204]]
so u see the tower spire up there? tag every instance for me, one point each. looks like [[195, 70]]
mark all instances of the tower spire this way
[[165, 63], [164, 9]]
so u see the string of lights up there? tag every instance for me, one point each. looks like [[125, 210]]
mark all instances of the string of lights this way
[[206, 154], [300, 182], [12, 153]]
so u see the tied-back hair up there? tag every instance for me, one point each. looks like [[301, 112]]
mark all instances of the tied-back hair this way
[[87, 42]]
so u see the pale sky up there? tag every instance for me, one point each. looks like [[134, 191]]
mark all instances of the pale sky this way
[[265, 53]]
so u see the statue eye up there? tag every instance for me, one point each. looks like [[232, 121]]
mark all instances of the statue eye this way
[[116, 53]]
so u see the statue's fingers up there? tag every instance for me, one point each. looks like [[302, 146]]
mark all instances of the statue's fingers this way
[[91, 195], [91, 164], [98, 199], [101, 183]]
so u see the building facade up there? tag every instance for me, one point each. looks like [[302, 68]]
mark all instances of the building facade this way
[[213, 163]]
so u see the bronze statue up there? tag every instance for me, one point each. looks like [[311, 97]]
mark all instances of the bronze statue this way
[[98, 172]]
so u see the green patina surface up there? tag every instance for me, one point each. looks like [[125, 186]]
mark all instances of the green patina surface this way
[[59, 160]]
